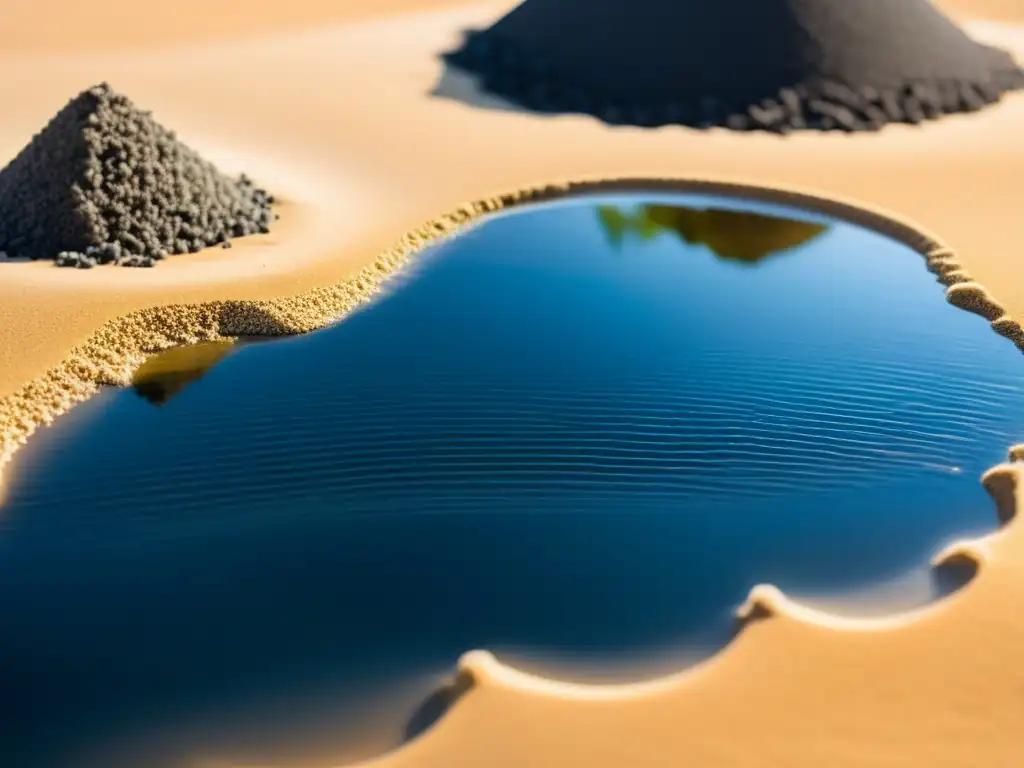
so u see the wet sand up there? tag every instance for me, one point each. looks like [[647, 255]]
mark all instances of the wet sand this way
[[339, 121]]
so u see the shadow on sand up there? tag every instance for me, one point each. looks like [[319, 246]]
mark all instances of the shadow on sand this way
[[457, 85], [437, 705]]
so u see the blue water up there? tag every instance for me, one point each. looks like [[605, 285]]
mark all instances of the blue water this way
[[580, 430]]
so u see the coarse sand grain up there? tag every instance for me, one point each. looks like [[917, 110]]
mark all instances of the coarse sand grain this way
[[104, 183], [773, 65]]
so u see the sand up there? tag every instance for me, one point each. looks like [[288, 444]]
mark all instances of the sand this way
[[996, 10], [339, 121]]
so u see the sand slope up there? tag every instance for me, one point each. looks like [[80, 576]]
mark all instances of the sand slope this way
[[339, 121]]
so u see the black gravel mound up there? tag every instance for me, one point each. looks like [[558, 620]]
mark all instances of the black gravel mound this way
[[103, 183], [775, 65]]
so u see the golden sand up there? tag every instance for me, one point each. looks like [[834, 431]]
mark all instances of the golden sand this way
[[340, 121], [1004, 10]]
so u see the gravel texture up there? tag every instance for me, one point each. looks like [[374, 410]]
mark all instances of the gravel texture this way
[[103, 183], [773, 65]]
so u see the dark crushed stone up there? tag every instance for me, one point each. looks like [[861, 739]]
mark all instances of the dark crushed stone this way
[[103, 183], [770, 65]]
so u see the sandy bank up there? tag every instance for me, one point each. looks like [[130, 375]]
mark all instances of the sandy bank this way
[[341, 121]]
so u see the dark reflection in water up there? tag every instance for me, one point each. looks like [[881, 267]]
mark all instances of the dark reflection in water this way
[[164, 375], [532, 445], [739, 235], [434, 706]]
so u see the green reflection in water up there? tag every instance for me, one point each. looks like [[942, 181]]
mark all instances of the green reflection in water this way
[[740, 236], [167, 373]]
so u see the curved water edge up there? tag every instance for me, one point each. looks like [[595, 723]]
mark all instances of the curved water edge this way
[[113, 353], [763, 600]]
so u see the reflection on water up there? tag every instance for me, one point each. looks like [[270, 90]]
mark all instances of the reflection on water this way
[[576, 448], [164, 375], [738, 235]]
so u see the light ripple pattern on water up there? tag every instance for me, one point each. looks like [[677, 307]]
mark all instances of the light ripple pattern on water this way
[[538, 441]]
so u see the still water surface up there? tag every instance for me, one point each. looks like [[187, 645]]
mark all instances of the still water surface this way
[[576, 433]]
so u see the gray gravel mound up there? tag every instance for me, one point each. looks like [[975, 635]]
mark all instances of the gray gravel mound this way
[[774, 65], [103, 183]]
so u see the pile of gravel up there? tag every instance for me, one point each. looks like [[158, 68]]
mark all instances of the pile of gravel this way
[[774, 65], [103, 183]]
